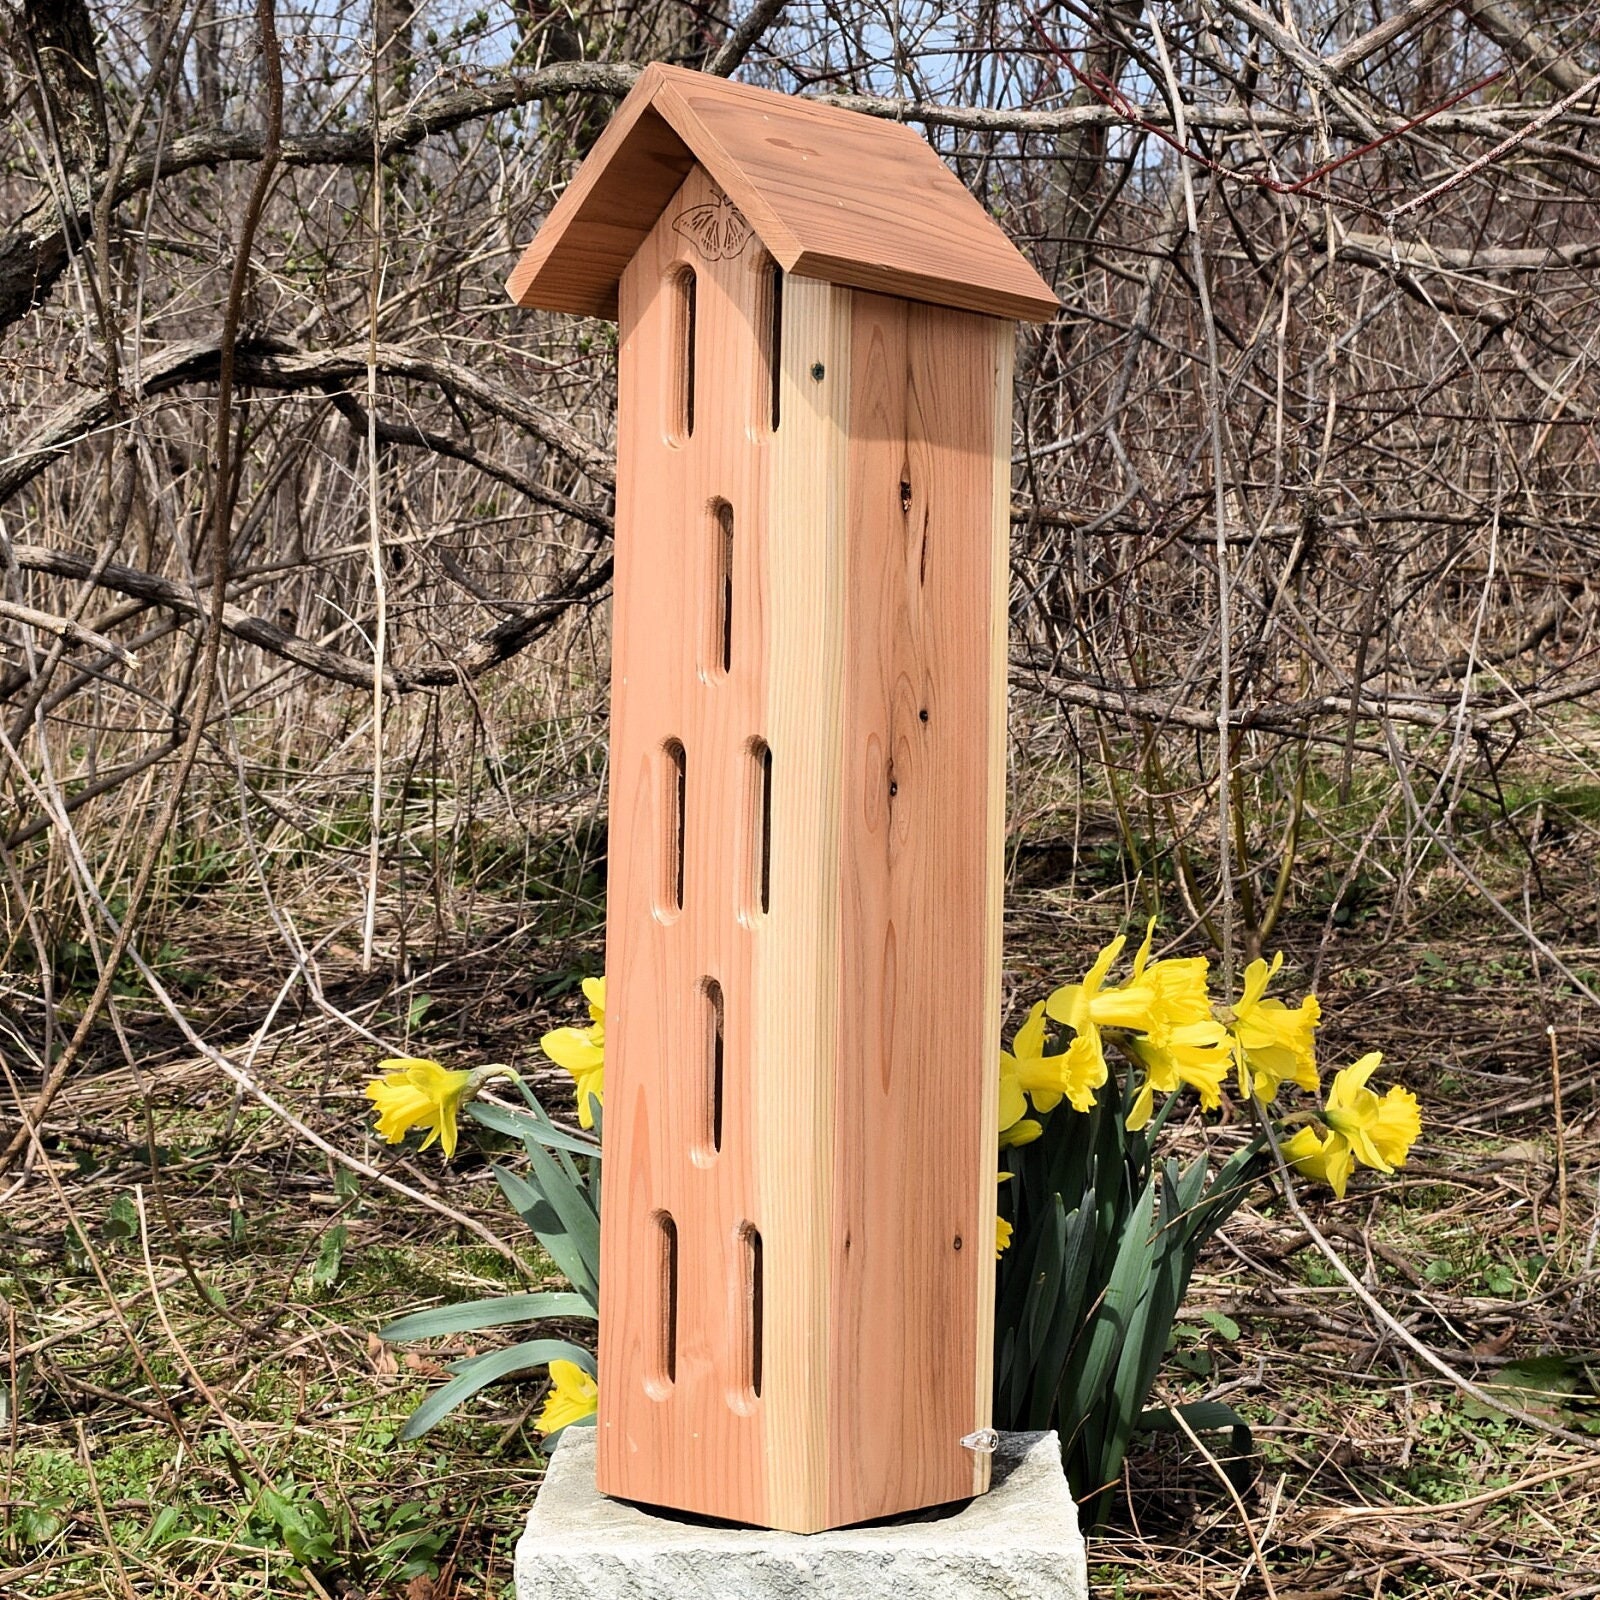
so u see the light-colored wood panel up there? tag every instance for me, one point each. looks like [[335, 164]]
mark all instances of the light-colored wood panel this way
[[916, 1050], [797, 961], [1004, 335], [832, 194]]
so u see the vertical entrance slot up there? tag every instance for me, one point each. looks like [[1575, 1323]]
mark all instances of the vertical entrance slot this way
[[680, 423], [715, 1052], [719, 646], [749, 1312], [674, 806], [754, 1297], [773, 343], [756, 892], [663, 1370], [763, 861]]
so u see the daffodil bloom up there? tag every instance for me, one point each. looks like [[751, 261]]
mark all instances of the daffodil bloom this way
[[1327, 1159], [1016, 1126], [573, 1396], [1272, 1042], [1379, 1133], [1002, 1236], [416, 1093], [1192, 1053], [1088, 1007], [582, 1052], [1024, 1062], [1044, 1079], [594, 991], [1179, 983]]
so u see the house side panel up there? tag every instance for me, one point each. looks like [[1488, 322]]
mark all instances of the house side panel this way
[[681, 1421], [912, 1231]]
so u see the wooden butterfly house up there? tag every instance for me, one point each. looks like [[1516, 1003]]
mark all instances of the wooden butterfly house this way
[[816, 323]]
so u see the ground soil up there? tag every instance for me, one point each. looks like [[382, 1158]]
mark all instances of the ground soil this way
[[191, 1290]]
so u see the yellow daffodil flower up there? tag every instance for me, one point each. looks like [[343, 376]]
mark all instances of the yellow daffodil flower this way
[[1024, 1131], [582, 1052], [1193, 1053], [415, 1093], [1088, 1007], [1016, 1126], [573, 1396], [1025, 1061], [594, 991], [1002, 1228], [1013, 1102], [1179, 983], [1379, 1133], [1272, 1042], [1044, 1079], [1328, 1160]]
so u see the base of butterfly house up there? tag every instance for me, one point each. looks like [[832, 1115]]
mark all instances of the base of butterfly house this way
[[1018, 1542]]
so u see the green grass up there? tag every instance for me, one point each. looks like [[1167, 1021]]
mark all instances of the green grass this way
[[305, 1480], [284, 1474]]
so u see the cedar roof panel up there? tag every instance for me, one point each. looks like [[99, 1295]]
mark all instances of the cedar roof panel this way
[[831, 193]]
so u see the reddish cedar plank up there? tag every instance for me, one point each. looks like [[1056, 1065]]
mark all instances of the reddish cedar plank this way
[[916, 1043], [681, 1444]]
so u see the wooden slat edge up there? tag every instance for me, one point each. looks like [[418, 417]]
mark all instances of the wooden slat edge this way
[[796, 963], [1000, 602], [1022, 303]]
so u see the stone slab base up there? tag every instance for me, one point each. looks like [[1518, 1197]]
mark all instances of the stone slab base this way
[[1018, 1542]]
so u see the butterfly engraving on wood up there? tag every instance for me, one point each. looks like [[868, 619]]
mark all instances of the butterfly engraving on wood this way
[[718, 229]]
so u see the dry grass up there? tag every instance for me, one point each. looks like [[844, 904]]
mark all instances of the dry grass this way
[[1338, 488], [147, 1398]]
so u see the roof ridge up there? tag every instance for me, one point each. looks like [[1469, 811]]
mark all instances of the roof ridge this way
[[830, 192]]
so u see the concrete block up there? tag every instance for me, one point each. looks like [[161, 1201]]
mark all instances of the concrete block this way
[[1018, 1542]]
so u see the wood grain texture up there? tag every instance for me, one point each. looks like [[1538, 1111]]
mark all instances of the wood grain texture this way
[[698, 1442], [798, 956], [832, 194], [1004, 336], [911, 1236], [864, 648]]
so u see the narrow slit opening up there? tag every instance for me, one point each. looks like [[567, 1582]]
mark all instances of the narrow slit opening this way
[[775, 341], [753, 1309], [684, 360], [676, 799], [720, 645], [711, 991], [756, 893], [664, 1367], [689, 355], [764, 849]]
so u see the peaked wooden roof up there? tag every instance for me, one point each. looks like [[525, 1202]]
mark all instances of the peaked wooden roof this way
[[832, 194]]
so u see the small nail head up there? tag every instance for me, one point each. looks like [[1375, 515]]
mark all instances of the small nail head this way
[[818, 371]]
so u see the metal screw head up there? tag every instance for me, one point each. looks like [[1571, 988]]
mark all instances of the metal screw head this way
[[818, 371]]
